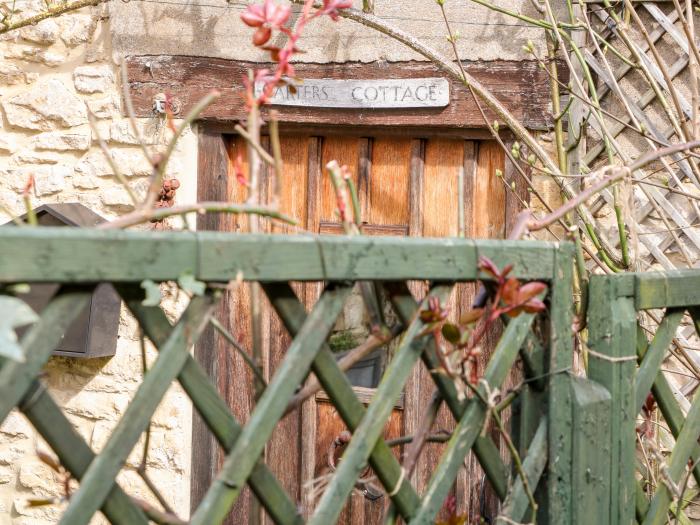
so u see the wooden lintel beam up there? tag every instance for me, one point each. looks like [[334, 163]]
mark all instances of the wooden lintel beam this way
[[520, 85]]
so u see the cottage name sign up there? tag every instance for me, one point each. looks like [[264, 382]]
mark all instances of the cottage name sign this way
[[376, 93]]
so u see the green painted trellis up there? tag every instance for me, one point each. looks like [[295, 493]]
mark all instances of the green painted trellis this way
[[629, 366], [558, 423]]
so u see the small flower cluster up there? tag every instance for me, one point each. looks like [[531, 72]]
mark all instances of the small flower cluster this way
[[269, 17], [166, 196], [508, 296]]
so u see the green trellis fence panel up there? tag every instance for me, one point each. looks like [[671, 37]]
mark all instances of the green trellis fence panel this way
[[552, 413], [628, 358]]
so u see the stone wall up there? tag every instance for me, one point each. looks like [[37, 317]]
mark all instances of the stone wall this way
[[213, 28], [51, 75]]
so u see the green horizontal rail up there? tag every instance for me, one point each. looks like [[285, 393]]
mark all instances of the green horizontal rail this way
[[667, 289], [66, 255]]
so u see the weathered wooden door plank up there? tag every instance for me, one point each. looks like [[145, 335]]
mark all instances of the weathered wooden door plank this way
[[270, 407]]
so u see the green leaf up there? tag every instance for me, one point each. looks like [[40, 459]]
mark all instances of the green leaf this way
[[153, 295], [13, 313], [188, 283]]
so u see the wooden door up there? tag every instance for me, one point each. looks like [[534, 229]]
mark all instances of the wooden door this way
[[407, 186]]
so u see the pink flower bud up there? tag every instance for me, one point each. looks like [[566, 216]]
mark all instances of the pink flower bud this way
[[254, 15], [262, 35]]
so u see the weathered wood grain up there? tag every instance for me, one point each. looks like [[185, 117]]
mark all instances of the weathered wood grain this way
[[390, 181], [212, 174], [520, 85]]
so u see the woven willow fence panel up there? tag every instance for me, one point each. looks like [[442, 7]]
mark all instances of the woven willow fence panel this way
[[548, 407]]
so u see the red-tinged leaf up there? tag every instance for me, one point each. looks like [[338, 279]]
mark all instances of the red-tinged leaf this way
[[509, 294], [451, 333], [330, 7], [506, 270], [49, 460], [472, 316], [29, 185], [530, 290], [534, 306], [261, 35], [515, 312], [275, 56], [486, 265]]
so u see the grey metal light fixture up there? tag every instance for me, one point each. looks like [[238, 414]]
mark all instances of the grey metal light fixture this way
[[94, 332]]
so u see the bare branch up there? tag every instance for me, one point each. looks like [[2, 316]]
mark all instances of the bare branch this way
[[51, 12], [157, 214]]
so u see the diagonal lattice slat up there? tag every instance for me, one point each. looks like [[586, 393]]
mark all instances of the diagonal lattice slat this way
[[339, 390], [270, 407], [668, 404], [74, 453], [99, 478], [516, 504], [37, 345], [472, 421], [484, 449], [686, 431], [372, 425], [215, 413], [685, 443], [655, 355]]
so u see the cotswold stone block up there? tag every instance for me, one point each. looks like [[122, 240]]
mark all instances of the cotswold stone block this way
[[85, 182], [117, 197], [104, 107], [48, 105], [93, 79], [7, 144], [130, 162], [45, 32], [16, 426], [35, 54], [37, 476], [49, 179], [77, 28], [59, 141], [90, 405], [9, 457], [36, 157], [122, 133], [93, 164], [10, 74]]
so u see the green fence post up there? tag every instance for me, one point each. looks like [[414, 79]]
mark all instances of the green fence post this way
[[590, 471], [612, 325], [557, 509]]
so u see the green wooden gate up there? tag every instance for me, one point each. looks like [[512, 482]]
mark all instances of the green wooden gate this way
[[575, 436]]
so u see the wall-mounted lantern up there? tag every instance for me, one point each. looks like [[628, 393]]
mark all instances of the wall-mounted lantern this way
[[94, 332]]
